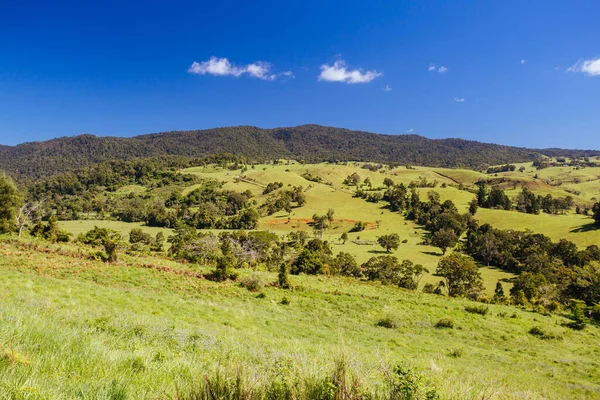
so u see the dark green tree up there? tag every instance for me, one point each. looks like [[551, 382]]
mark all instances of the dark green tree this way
[[10, 201], [345, 264], [461, 276], [283, 279], [473, 206], [344, 237], [596, 211], [499, 296], [389, 242], [443, 239]]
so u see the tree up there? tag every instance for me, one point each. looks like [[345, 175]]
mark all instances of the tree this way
[[473, 206], [499, 296], [159, 242], [461, 275], [577, 308], [345, 264], [344, 237], [389, 242], [225, 268], [481, 195], [26, 214], [10, 201], [443, 239], [137, 235], [388, 182], [308, 262], [329, 216], [111, 241], [382, 268], [352, 180], [410, 275], [596, 211], [283, 279]]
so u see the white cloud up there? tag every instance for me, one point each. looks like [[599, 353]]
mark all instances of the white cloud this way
[[442, 69], [260, 70], [339, 73], [223, 67], [411, 130], [215, 66], [289, 74], [459, 99], [588, 67], [431, 67], [387, 88], [523, 61]]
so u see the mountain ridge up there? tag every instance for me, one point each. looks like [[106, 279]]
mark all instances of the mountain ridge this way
[[311, 143]]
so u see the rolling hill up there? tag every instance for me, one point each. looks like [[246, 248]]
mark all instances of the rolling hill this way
[[312, 143]]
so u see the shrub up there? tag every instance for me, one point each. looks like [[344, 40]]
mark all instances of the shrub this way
[[408, 384], [387, 322], [253, 282], [539, 332], [456, 353], [285, 301], [445, 323], [481, 310], [359, 227], [579, 321]]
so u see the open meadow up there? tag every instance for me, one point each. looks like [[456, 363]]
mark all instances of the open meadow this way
[[72, 327]]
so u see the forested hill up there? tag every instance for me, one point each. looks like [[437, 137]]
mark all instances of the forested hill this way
[[311, 143]]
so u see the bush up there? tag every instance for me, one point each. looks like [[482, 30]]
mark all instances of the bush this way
[[387, 322], [579, 321], [408, 384], [456, 353], [445, 323], [285, 301], [481, 310], [359, 227], [253, 282], [539, 332]]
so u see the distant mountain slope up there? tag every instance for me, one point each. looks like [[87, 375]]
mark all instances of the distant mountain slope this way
[[311, 143]]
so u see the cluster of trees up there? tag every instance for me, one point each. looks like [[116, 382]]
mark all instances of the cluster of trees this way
[[352, 179], [316, 257], [576, 161], [372, 167], [92, 189], [547, 271], [442, 220], [502, 168], [525, 202], [284, 200], [272, 186]]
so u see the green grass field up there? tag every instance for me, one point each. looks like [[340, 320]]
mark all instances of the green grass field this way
[[74, 328]]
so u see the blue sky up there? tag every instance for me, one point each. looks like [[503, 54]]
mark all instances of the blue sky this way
[[523, 73]]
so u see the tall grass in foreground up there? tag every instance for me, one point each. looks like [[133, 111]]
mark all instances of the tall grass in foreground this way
[[341, 383]]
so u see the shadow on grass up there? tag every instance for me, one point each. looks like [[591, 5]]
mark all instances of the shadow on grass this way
[[379, 252], [432, 253], [586, 228]]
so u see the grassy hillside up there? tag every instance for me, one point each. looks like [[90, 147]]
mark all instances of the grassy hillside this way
[[312, 143], [380, 221], [71, 327]]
